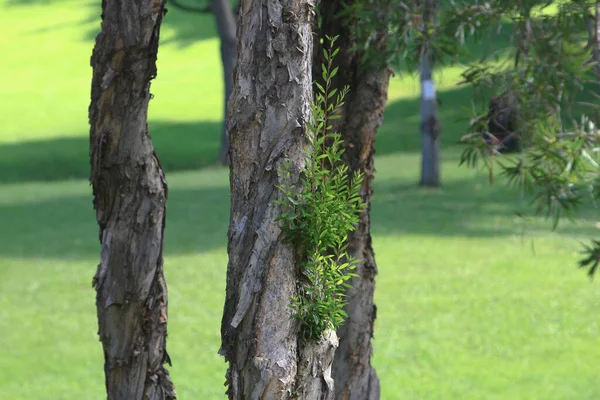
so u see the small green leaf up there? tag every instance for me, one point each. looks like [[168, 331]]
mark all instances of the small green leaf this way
[[320, 87], [334, 72]]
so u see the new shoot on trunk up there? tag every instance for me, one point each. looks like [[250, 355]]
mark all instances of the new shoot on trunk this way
[[319, 213]]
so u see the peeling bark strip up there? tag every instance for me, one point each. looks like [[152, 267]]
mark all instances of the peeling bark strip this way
[[355, 378], [268, 110], [130, 193]]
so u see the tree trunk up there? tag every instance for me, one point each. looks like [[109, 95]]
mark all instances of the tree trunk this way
[[130, 192], [269, 107], [592, 24], [597, 39], [226, 27], [354, 377], [430, 127]]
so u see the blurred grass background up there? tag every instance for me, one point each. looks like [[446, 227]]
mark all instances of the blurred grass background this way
[[473, 302]]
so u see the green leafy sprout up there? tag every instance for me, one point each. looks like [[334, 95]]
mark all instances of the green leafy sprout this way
[[318, 215]]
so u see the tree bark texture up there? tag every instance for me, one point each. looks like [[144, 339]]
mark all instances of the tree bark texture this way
[[430, 125], [130, 195], [269, 107], [355, 378], [226, 26]]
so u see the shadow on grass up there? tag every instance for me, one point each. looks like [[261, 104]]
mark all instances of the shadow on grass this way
[[197, 218], [467, 208], [65, 228], [179, 145], [185, 146], [400, 131], [188, 27]]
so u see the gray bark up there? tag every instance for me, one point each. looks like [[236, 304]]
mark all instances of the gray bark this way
[[130, 193], [269, 107], [355, 377], [226, 27]]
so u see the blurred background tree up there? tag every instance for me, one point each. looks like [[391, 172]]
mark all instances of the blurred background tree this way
[[225, 18]]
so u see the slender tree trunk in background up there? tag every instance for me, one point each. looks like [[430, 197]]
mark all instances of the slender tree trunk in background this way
[[430, 127], [597, 39], [130, 192], [430, 124], [269, 107], [226, 26], [355, 378]]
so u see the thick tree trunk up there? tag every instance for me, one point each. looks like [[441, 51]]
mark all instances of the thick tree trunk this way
[[226, 27], [269, 107], [130, 192], [430, 127], [355, 378]]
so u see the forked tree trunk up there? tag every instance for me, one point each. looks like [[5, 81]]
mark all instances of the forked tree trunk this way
[[269, 107], [355, 378], [130, 192], [226, 27]]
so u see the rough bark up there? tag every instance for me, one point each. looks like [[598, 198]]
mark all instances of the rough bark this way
[[130, 193], [355, 378], [269, 107], [430, 125], [226, 26]]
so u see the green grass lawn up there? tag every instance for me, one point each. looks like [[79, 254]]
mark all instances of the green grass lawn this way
[[473, 303]]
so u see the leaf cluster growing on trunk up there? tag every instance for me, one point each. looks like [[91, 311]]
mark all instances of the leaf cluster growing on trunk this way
[[319, 215]]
